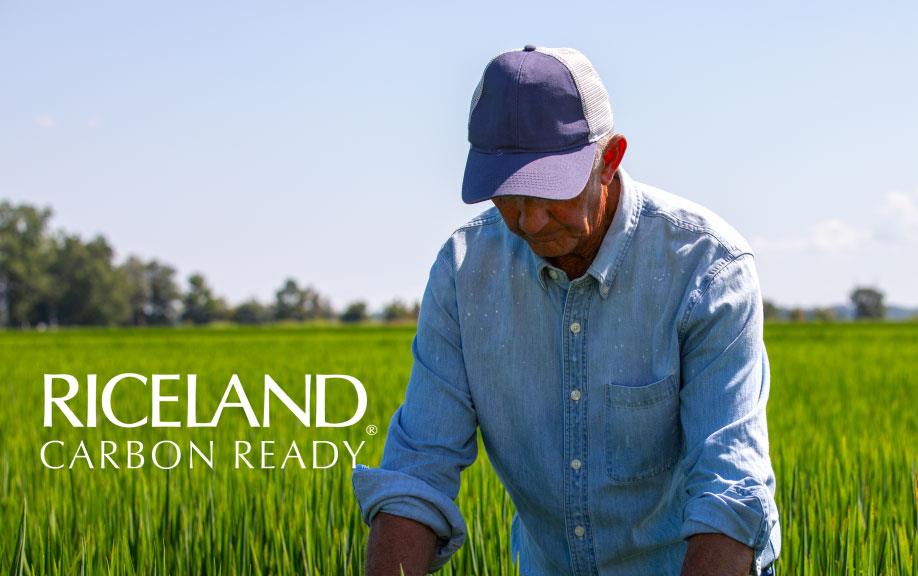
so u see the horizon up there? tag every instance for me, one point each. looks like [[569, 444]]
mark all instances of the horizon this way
[[377, 310]]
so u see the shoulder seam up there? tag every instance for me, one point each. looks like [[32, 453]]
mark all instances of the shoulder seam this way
[[731, 248], [479, 221], [719, 266]]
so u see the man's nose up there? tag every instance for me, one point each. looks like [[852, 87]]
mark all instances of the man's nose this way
[[533, 217]]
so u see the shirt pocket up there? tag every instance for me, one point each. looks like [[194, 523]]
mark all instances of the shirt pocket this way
[[643, 435]]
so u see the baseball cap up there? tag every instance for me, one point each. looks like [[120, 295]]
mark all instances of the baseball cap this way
[[533, 124]]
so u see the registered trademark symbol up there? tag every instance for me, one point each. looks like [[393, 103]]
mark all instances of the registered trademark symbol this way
[[372, 429]]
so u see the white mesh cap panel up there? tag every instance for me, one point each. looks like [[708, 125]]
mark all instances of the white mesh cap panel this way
[[593, 95]]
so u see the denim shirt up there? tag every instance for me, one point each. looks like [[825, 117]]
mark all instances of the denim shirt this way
[[623, 411]]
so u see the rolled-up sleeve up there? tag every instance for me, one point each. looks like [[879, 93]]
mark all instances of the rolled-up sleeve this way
[[432, 435], [729, 482]]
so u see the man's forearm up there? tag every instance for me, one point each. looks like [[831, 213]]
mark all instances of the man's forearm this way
[[716, 555], [399, 542]]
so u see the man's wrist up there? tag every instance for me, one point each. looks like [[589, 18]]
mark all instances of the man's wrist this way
[[399, 544], [717, 555]]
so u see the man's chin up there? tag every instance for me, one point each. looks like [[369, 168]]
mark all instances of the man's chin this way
[[548, 250]]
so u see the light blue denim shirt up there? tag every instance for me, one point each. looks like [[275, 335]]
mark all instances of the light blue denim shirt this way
[[624, 410]]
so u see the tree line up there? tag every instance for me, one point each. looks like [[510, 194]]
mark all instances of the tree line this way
[[867, 303], [50, 277]]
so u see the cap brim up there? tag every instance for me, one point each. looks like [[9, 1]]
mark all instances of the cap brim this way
[[551, 175]]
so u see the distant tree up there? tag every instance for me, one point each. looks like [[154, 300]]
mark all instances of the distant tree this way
[[251, 312], [354, 312], [200, 306], [290, 302], [221, 309], [164, 294], [396, 311], [868, 303], [798, 315], [88, 288], [824, 315], [316, 306], [153, 295], [26, 254], [771, 310], [139, 290], [295, 303]]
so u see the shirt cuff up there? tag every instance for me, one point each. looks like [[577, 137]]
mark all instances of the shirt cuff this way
[[746, 512], [394, 492]]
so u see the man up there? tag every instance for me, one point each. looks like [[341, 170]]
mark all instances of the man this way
[[604, 336]]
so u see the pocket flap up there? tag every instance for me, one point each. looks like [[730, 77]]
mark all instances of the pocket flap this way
[[646, 395]]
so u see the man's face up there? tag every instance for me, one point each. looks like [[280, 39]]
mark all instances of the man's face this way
[[555, 228]]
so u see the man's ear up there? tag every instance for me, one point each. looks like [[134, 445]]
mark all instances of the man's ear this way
[[612, 157]]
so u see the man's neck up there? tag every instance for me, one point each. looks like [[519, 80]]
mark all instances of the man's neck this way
[[578, 262]]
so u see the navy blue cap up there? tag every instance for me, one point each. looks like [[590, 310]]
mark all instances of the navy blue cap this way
[[533, 123]]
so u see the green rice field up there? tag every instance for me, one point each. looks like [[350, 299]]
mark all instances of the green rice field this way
[[843, 423]]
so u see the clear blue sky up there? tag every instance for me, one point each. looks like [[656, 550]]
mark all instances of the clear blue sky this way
[[255, 140]]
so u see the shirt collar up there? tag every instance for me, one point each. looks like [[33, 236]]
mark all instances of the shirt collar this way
[[616, 241]]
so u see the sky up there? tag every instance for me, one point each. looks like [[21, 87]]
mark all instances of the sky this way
[[326, 141]]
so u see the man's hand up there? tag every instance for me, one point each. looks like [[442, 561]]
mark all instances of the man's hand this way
[[716, 555], [396, 541]]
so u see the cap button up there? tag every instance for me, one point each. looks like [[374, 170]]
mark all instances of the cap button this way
[[529, 48]]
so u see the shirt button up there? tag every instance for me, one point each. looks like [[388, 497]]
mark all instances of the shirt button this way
[[553, 274], [575, 464], [575, 327], [579, 531], [575, 395]]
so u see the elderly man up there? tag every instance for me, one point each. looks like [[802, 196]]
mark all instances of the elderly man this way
[[605, 336]]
